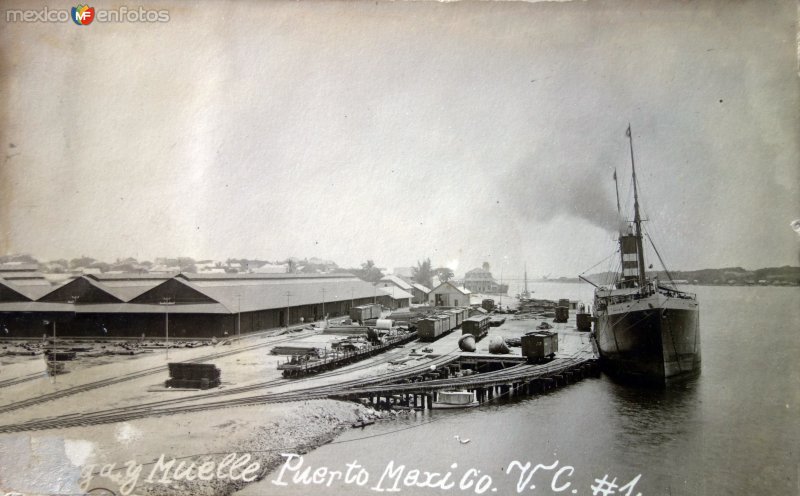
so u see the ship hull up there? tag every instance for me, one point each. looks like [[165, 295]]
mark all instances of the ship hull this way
[[653, 340]]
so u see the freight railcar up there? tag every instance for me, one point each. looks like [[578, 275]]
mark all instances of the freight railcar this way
[[539, 345], [364, 312], [435, 326], [478, 326], [429, 328], [449, 321]]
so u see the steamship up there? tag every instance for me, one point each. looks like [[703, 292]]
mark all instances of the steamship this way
[[647, 331]]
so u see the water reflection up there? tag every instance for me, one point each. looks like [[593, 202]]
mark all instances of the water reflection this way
[[648, 417]]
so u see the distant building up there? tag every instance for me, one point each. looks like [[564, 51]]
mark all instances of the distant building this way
[[448, 295], [394, 297], [406, 272], [481, 281], [387, 281], [419, 292], [199, 305], [269, 268]]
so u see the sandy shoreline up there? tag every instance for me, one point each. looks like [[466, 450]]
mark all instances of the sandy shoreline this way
[[257, 435]]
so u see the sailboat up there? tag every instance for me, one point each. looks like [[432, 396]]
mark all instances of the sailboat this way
[[525, 295], [646, 331]]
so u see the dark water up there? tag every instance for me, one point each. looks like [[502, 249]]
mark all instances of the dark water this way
[[733, 430]]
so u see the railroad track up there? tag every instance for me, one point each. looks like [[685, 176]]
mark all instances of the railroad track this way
[[354, 387], [134, 375], [167, 407], [20, 380]]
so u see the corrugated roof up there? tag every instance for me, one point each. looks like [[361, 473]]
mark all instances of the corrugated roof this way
[[82, 287], [18, 267], [397, 293], [421, 287], [127, 289], [31, 289], [263, 295], [460, 290], [134, 308], [20, 275], [122, 308], [217, 295], [127, 276], [233, 277], [397, 281], [10, 293], [36, 306]]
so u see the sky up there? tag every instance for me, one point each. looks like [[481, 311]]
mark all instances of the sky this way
[[396, 131]]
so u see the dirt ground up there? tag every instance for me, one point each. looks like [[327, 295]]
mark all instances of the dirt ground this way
[[74, 460]]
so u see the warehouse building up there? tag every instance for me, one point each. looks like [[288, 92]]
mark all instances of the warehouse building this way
[[194, 305]]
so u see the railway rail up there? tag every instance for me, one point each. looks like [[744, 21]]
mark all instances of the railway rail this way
[[132, 376], [348, 389]]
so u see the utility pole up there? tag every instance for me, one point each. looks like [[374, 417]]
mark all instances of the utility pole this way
[[239, 320], [323, 304], [55, 371], [288, 295], [166, 302]]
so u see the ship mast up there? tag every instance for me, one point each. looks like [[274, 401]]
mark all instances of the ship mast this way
[[526, 280], [637, 220]]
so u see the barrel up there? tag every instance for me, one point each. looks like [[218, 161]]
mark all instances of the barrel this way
[[383, 324]]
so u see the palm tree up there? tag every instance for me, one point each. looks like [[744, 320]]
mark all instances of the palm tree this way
[[444, 274]]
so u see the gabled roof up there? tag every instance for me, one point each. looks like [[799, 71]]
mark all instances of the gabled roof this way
[[421, 287], [397, 282], [177, 291], [81, 290], [397, 293], [13, 275], [10, 293], [460, 290], [128, 286], [241, 292], [19, 267], [251, 295], [204, 276], [31, 289]]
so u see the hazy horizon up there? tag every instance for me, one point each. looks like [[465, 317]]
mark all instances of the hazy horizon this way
[[395, 131]]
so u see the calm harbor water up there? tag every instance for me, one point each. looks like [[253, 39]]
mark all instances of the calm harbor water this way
[[733, 430]]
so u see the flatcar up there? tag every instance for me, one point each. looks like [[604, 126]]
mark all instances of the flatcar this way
[[539, 345], [478, 326]]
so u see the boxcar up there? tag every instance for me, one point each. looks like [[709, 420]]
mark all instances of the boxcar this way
[[448, 321], [478, 326], [488, 304], [538, 345], [458, 315], [562, 314], [429, 329], [364, 312]]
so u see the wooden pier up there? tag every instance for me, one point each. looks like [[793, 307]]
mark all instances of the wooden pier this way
[[522, 379]]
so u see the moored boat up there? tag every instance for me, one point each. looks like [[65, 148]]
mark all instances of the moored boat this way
[[454, 399], [646, 330]]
